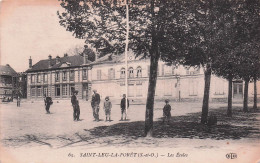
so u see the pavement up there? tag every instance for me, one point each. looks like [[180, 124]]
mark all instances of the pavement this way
[[31, 121]]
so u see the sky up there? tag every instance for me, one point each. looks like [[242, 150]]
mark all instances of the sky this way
[[31, 28]]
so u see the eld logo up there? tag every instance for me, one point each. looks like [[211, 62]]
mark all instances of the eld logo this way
[[231, 155]]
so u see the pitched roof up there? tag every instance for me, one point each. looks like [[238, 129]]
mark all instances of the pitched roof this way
[[112, 58], [77, 60], [7, 70], [70, 61]]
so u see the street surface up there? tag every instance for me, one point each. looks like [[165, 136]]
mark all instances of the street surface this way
[[28, 134]]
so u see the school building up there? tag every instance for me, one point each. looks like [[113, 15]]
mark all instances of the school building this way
[[58, 77]]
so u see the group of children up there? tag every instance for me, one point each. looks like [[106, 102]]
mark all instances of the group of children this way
[[107, 108], [108, 105]]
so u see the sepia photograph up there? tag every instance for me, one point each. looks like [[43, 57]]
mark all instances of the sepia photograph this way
[[129, 81]]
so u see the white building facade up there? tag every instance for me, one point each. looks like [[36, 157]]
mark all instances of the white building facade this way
[[60, 76]]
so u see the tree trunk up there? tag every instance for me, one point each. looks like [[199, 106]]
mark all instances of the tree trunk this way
[[245, 105], [229, 110], [150, 96], [205, 105], [154, 58], [255, 94]]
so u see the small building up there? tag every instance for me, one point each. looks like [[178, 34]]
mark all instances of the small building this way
[[58, 77], [7, 82]]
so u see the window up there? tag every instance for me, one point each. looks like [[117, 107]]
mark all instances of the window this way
[[131, 72], [131, 90], [122, 73], [193, 87], [173, 68], [139, 90], [98, 74], [45, 90], [219, 87], [32, 78], [167, 88], [20, 79], [111, 73], [57, 90], [39, 91], [192, 71], [195, 71], [122, 90], [257, 88], [64, 75], [139, 72], [72, 75], [64, 90], [33, 91], [57, 76], [167, 70], [72, 88], [187, 71], [45, 78], [38, 78], [84, 74]]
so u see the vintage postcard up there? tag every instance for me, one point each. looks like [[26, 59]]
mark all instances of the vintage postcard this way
[[129, 81]]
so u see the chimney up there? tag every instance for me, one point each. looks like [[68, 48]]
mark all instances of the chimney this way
[[65, 55], [85, 58], [57, 59], [30, 62], [49, 61]]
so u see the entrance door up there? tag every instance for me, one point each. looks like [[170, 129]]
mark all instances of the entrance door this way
[[85, 91], [238, 90]]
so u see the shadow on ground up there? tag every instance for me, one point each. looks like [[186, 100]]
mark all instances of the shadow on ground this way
[[241, 125]]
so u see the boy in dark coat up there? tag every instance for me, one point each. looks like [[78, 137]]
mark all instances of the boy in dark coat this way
[[123, 108], [167, 111], [48, 102], [75, 105]]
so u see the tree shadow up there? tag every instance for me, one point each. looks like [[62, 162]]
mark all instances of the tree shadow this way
[[241, 125]]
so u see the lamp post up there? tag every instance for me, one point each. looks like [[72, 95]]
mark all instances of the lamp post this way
[[126, 57]]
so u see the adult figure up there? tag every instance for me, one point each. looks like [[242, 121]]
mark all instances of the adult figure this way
[[95, 101], [75, 105], [18, 100], [123, 107], [48, 102]]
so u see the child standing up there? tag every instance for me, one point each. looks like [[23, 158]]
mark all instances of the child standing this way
[[107, 108], [167, 112], [18, 100]]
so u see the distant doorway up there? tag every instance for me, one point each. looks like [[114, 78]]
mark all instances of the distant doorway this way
[[85, 91], [238, 90]]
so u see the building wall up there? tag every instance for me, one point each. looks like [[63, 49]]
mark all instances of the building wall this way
[[173, 82], [6, 86], [57, 86]]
